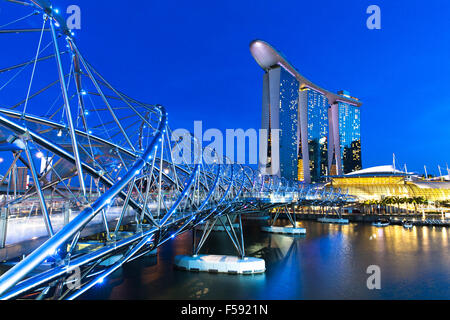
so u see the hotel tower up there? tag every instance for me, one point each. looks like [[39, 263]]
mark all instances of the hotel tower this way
[[319, 131]]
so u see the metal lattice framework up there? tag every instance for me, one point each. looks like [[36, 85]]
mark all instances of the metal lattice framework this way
[[104, 187]]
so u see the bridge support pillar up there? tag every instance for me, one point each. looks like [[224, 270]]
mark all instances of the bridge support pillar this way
[[220, 227], [221, 263], [66, 211], [292, 230], [338, 220], [3, 226]]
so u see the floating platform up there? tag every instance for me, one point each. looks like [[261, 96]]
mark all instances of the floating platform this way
[[218, 228], [285, 230], [255, 217], [381, 224], [334, 220], [220, 264]]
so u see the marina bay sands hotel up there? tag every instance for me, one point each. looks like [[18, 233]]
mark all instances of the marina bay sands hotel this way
[[320, 131]]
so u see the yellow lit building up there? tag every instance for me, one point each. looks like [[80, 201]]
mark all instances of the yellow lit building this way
[[379, 187], [301, 175]]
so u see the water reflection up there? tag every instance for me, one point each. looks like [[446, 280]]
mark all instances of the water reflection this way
[[330, 262]]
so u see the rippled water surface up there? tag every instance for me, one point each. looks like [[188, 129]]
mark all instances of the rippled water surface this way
[[330, 262]]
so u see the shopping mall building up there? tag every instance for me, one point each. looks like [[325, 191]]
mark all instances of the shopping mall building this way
[[382, 182]]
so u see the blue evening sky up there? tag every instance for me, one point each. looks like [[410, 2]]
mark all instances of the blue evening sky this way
[[193, 57]]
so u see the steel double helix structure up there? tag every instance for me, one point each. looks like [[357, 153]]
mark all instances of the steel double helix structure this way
[[90, 181]]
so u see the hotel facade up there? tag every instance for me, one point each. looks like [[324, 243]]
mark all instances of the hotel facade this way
[[319, 131]]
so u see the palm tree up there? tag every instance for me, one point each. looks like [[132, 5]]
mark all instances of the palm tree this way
[[384, 203], [388, 201], [414, 201], [406, 201], [369, 204], [396, 200], [422, 201], [378, 204], [364, 206]]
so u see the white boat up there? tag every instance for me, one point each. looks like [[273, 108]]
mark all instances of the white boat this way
[[381, 224], [408, 225]]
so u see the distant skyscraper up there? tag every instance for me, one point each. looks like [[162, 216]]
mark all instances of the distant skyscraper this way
[[319, 131]]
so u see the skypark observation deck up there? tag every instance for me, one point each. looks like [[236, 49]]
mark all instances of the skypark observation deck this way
[[268, 57]]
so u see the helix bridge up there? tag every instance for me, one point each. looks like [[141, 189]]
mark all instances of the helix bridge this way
[[88, 177]]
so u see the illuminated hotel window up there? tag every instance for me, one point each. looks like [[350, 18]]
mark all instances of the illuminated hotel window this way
[[289, 123], [317, 111], [350, 137]]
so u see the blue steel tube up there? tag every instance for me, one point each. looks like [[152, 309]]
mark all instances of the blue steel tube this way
[[52, 274], [181, 197], [113, 268], [137, 247], [18, 272], [211, 192], [65, 96], [47, 221], [57, 150]]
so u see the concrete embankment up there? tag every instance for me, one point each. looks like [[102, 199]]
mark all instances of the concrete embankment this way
[[430, 220]]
